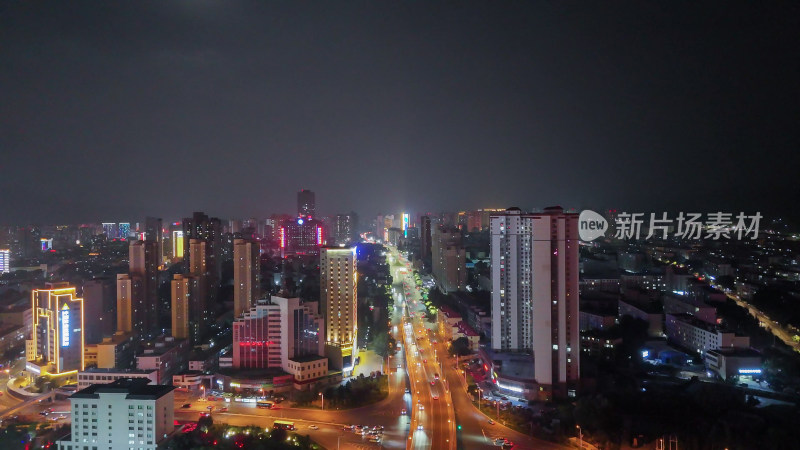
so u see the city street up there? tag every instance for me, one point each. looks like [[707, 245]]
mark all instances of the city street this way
[[477, 432]]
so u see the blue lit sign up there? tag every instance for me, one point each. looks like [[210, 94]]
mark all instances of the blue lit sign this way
[[65, 326]]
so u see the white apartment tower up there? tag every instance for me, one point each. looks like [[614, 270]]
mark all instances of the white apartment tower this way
[[535, 292]]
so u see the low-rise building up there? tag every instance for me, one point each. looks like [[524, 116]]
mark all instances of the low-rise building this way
[[116, 351], [736, 362], [593, 319], [685, 304], [306, 370], [463, 330], [191, 380], [695, 335], [105, 376], [127, 413], [649, 311], [11, 336], [447, 321], [167, 355]]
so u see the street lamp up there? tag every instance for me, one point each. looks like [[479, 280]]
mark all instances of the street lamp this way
[[580, 435], [323, 401], [203, 389]]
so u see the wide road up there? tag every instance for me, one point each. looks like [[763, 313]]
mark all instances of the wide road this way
[[476, 430], [433, 419]]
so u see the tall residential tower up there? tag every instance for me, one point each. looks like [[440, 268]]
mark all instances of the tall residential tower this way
[[535, 292]]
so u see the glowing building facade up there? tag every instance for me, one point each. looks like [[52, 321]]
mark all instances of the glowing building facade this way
[[338, 287], [5, 260], [57, 341], [301, 236]]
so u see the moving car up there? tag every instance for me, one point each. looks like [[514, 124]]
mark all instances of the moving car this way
[[313, 427]]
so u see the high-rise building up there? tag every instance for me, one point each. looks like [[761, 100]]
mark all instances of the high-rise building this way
[[127, 413], [198, 257], [139, 290], [479, 220], [535, 292], [57, 344], [344, 229], [130, 291], [98, 299], [276, 330], [301, 237], [306, 204], [154, 231], [203, 228], [338, 287], [448, 260], [177, 244], [189, 314], [5, 260], [124, 229], [425, 239], [110, 230], [246, 275]]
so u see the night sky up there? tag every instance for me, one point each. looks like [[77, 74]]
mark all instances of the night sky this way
[[111, 111]]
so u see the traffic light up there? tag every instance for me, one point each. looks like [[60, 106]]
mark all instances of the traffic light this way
[[458, 426]]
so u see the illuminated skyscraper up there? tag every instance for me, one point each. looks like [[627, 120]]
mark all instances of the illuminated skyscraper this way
[[188, 308], [124, 230], [110, 230], [246, 275], [535, 292], [57, 343], [338, 287], [343, 229], [5, 260], [177, 244], [306, 204], [301, 237], [130, 291]]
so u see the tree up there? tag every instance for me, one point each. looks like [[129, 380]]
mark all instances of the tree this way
[[460, 347], [205, 422]]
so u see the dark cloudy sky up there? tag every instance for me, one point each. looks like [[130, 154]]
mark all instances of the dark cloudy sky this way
[[116, 110]]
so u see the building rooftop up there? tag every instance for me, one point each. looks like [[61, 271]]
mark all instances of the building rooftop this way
[[95, 370], [694, 321], [307, 358], [736, 352], [449, 312], [648, 307], [466, 329], [135, 389]]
